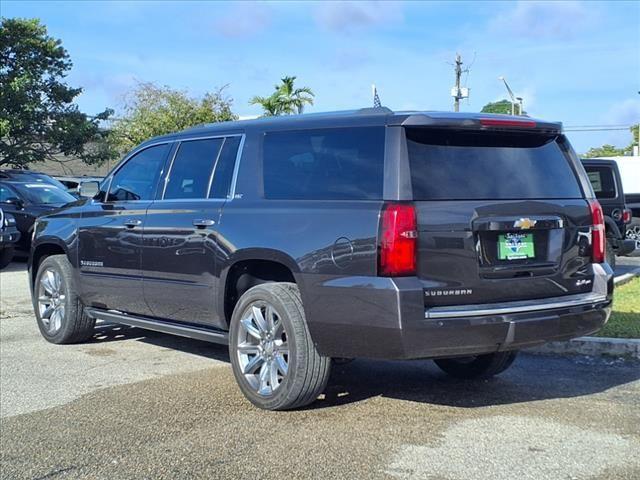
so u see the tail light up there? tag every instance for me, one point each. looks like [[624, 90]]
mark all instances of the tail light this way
[[597, 232], [398, 239], [626, 215]]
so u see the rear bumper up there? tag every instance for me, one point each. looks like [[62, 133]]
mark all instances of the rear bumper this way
[[386, 318]]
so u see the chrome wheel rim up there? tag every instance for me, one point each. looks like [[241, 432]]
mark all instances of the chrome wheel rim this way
[[51, 300], [262, 348], [633, 233]]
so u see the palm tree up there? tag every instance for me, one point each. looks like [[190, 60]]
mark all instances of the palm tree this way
[[293, 99], [269, 105], [286, 100]]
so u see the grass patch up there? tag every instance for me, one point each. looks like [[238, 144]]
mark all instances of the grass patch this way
[[625, 318]]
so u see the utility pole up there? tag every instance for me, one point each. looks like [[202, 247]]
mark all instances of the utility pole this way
[[456, 102], [458, 92]]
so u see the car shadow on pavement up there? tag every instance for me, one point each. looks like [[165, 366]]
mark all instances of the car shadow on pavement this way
[[531, 377], [17, 265], [113, 332]]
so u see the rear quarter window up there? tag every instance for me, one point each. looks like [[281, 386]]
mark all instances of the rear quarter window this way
[[602, 181], [324, 164], [455, 165]]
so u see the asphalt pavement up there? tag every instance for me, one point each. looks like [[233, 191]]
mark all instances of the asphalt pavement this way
[[137, 404], [627, 265]]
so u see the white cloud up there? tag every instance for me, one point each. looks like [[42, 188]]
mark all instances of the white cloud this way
[[626, 112], [544, 19], [344, 17], [244, 20]]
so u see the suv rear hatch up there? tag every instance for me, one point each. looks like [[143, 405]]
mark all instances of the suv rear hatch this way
[[501, 215]]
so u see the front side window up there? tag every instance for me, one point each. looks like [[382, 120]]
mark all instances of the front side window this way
[[191, 169], [138, 178], [324, 164]]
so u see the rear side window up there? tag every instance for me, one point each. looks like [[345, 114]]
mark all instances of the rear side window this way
[[324, 164], [454, 165], [602, 181], [191, 169], [224, 168]]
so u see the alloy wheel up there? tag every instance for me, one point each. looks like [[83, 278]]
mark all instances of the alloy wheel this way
[[633, 233], [51, 300], [262, 348]]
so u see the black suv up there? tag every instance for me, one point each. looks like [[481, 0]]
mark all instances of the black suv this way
[[607, 186], [9, 235], [299, 239], [26, 201]]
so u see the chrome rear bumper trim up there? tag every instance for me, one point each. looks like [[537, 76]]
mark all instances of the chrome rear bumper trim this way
[[515, 307]]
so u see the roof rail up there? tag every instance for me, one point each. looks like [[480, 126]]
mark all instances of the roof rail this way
[[372, 110]]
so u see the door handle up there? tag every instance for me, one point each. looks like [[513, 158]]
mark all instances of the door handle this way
[[132, 223], [203, 222]]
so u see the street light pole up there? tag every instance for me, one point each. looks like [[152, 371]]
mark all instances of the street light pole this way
[[513, 97]]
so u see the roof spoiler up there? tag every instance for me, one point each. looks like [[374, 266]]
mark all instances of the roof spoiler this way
[[481, 122]]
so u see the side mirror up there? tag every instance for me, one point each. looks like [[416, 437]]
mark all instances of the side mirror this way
[[15, 201], [89, 188]]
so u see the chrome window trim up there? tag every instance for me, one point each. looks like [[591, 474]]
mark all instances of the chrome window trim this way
[[215, 167], [235, 168], [506, 308], [167, 175]]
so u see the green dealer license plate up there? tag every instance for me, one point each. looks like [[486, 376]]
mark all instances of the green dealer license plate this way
[[515, 246]]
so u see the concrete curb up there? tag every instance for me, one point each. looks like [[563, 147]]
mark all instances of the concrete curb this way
[[593, 346], [627, 277], [597, 346]]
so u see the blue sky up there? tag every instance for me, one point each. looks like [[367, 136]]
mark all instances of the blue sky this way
[[577, 62]]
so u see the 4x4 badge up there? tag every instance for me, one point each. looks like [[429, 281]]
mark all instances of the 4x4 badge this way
[[525, 223]]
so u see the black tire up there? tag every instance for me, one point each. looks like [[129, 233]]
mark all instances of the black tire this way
[[610, 255], [6, 255], [307, 372], [480, 366], [75, 325]]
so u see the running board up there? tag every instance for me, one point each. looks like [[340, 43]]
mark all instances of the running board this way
[[182, 330]]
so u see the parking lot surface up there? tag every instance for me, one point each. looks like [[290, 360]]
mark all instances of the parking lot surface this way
[[627, 264], [136, 404]]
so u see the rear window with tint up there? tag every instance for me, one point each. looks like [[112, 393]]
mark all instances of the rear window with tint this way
[[324, 164], [455, 165], [601, 179]]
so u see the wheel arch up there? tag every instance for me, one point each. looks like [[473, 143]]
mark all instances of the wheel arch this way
[[42, 250], [250, 267], [612, 228]]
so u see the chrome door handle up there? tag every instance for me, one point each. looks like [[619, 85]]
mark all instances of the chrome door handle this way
[[132, 223], [203, 222]]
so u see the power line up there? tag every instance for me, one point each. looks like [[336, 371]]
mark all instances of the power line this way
[[621, 129], [601, 126]]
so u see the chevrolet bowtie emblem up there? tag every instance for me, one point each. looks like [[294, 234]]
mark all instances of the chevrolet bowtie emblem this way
[[524, 223]]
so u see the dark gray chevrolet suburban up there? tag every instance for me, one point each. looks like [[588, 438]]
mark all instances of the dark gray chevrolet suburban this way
[[301, 239]]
